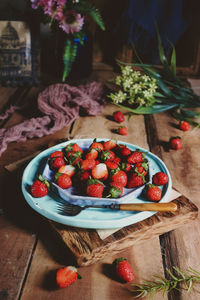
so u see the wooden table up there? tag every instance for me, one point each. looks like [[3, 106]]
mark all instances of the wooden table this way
[[30, 252]]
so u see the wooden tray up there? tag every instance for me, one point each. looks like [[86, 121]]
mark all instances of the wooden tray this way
[[89, 245]]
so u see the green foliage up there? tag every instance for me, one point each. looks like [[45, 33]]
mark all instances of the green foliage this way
[[172, 94], [177, 279], [69, 56], [85, 7]]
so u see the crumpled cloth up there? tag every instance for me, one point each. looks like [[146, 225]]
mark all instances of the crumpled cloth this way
[[60, 105]]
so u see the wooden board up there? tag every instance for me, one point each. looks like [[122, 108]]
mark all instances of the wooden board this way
[[87, 246]]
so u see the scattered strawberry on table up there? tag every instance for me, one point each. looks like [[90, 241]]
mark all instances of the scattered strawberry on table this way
[[123, 269], [184, 125], [118, 117], [66, 276], [122, 130], [39, 187], [175, 143]]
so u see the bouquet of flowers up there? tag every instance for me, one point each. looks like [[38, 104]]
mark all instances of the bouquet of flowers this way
[[69, 16]]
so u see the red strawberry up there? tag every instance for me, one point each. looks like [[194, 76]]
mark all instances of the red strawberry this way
[[175, 143], [97, 146], [74, 157], [73, 147], [135, 180], [66, 276], [108, 145], [117, 160], [160, 178], [116, 190], [57, 154], [92, 154], [39, 187], [153, 192], [135, 157], [125, 151], [67, 169], [119, 177], [122, 130], [63, 180], [118, 116], [126, 167], [95, 188], [111, 165], [87, 164], [84, 176], [184, 125], [107, 155], [100, 171], [141, 168], [56, 162], [123, 269]]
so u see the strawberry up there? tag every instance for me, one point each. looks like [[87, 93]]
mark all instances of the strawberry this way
[[107, 155], [97, 146], [73, 147], [67, 169], [123, 269], [66, 276], [125, 151], [87, 164], [63, 180], [39, 187], [95, 188], [116, 190], [92, 154], [153, 192], [141, 168], [122, 130], [74, 157], [111, 165], [100, 171], [57, 154], [160, 178], [135, 157], [117, 160], [175, 143], [118, 116], [135, 180], [184, 125], [119, 177], [108, 145], [125, 167], [56, 162], [84, 176]]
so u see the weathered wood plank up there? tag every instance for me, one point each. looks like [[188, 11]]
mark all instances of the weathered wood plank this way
[[16, 246], [181, 246]]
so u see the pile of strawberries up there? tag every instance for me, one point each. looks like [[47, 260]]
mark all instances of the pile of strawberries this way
[[102, 170]]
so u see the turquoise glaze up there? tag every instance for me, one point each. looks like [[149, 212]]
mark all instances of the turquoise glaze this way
[[89, 218]]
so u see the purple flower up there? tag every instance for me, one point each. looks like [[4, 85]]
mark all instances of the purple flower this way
[[35, 4], [71, 22]]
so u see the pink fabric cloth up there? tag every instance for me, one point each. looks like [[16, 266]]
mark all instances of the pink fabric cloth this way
[[60, 105]]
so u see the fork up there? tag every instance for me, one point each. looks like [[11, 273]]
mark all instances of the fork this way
[[73, 210]]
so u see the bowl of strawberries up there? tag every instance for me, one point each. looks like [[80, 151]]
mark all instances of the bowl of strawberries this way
[[99, 171], [95, 171]]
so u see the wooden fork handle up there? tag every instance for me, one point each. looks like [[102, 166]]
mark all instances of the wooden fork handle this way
[[170, 206]]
